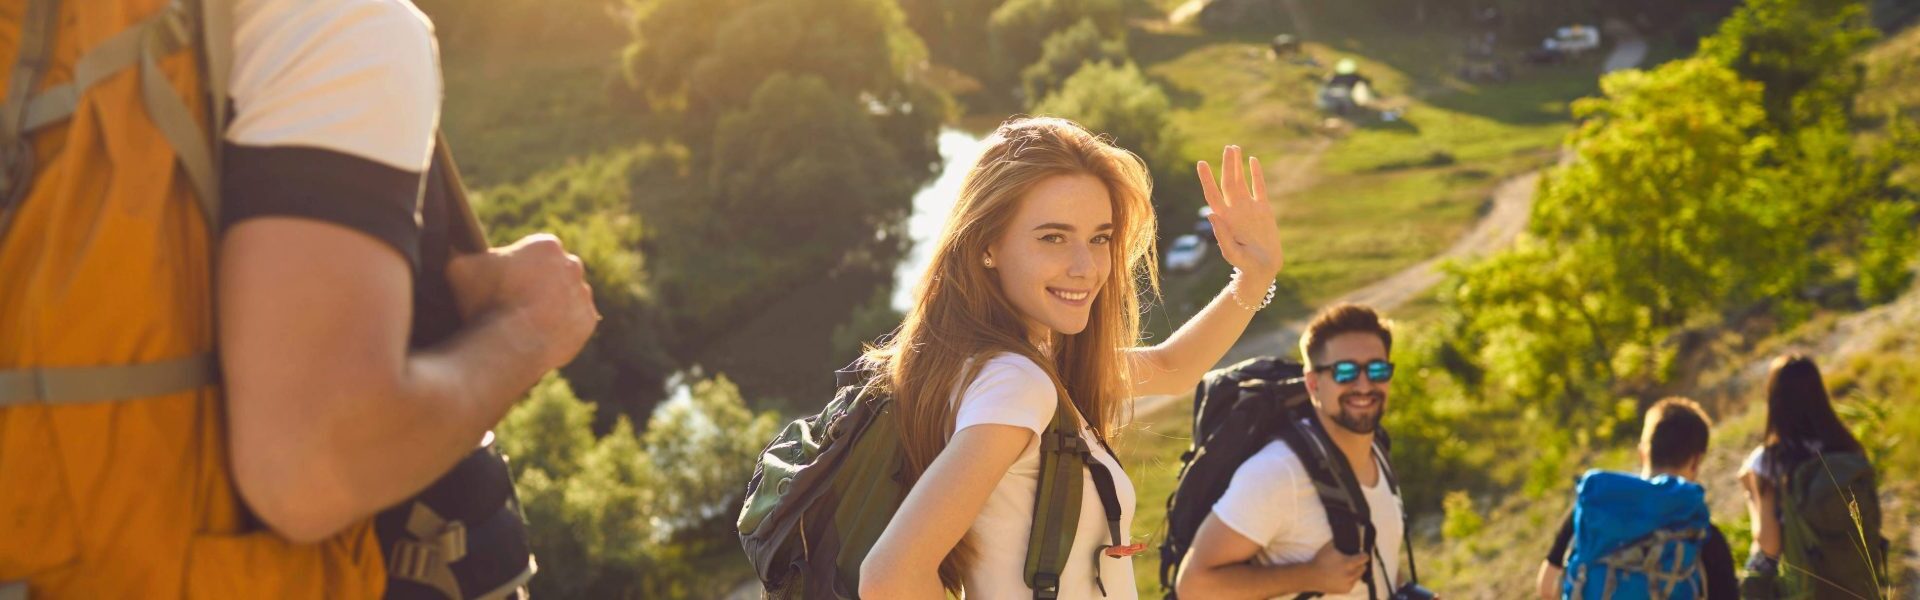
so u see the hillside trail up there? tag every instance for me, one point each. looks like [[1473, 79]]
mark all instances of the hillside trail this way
[[1512, 204]]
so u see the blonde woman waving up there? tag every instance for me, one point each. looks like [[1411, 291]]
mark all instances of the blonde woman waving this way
[[1030, 307]]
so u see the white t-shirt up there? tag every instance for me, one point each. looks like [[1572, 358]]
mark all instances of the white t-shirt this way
[[1011, 390], [335, 104], [358, 77], [1272, 501], [1758, 463]]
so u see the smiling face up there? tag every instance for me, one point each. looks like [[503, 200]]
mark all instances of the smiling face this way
[[1357, 405], [1053, 258]]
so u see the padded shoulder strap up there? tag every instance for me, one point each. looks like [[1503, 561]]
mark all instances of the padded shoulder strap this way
[[1348, 515], [1056, 507], [466, 233]]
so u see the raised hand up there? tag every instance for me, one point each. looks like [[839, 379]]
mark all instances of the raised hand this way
[[1243, 220]]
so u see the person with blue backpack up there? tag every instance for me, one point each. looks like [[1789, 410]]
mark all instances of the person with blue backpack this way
[[1645, 535]]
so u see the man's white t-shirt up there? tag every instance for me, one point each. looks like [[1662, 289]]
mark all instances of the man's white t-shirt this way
[[1012, 390], [335, 104], [1271, 500]]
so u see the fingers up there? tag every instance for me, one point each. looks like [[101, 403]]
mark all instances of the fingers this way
[[1259, 182], [1232, 175], [1209, 188]]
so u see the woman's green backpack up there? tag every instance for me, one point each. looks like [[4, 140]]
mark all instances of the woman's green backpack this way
[[828, 484], [1830, 532]]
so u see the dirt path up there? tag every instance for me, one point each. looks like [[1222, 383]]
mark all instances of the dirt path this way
[[1512, 201]]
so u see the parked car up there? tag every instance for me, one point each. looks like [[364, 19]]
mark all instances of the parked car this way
[[1203, 226], [1187, 252], [1568, 42]]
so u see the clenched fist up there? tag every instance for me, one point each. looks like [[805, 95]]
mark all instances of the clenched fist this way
[[536, 286], [1336, 572]]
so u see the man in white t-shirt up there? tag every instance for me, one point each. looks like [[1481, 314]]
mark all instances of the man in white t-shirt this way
[[1268, 535]]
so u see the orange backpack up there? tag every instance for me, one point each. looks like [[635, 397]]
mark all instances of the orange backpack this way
[[114, 478]]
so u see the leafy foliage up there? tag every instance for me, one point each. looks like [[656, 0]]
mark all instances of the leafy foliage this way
[[1119, 101], [1800, 51], [590, 204], [626, 515], [1065, 52], [809, 125], [1691, 200]]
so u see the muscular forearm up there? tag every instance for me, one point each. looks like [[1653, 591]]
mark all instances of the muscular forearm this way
[[366, 440], [449, 396], [1174, 366], [1246, 580]]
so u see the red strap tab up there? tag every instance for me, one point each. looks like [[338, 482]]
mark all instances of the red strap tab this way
[[1125, 551]]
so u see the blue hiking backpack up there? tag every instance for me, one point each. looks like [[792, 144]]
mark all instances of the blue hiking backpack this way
[[1637, 538]]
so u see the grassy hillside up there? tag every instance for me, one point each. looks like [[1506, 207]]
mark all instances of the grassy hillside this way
[[1361, 197]]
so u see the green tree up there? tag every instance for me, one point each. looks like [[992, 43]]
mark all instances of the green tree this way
[[871, 320], [955, 31], [703, 447], [1801, 51], [591, 205], [629, 516], [809, 124], [1119, 101], [808, 184], [1063, 54], [1684, 207], [702, 59], [1666, 217], [1018, 31]]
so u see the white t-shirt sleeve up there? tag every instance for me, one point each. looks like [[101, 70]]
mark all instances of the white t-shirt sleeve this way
[[1010, 390], [1757, 462], [358, 77], [1262, 501]]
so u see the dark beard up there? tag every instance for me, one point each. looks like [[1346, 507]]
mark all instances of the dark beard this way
[[1356, 423]]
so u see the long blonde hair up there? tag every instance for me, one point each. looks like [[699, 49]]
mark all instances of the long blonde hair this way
[[960, 316]]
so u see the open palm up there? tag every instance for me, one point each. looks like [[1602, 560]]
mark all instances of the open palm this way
[[1243, 220]]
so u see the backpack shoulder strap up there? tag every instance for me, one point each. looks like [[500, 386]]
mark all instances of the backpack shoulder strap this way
[[465, 232], [1056, 507], [25, 111], [1348, 515]]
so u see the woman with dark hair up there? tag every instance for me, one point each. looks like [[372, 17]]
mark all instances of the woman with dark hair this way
[[1801, 527]]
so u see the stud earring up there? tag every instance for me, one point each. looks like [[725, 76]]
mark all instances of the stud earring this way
[[989, 262]]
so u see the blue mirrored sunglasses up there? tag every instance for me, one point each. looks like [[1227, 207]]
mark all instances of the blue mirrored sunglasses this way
[[1346, 371]]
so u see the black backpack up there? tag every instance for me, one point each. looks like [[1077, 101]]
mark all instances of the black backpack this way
[[1236, 412]]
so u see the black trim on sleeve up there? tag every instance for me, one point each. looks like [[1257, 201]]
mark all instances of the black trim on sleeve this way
[[327, 185], [1558, 555]]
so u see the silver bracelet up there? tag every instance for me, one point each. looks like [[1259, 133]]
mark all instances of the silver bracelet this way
[[1235, 279]]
